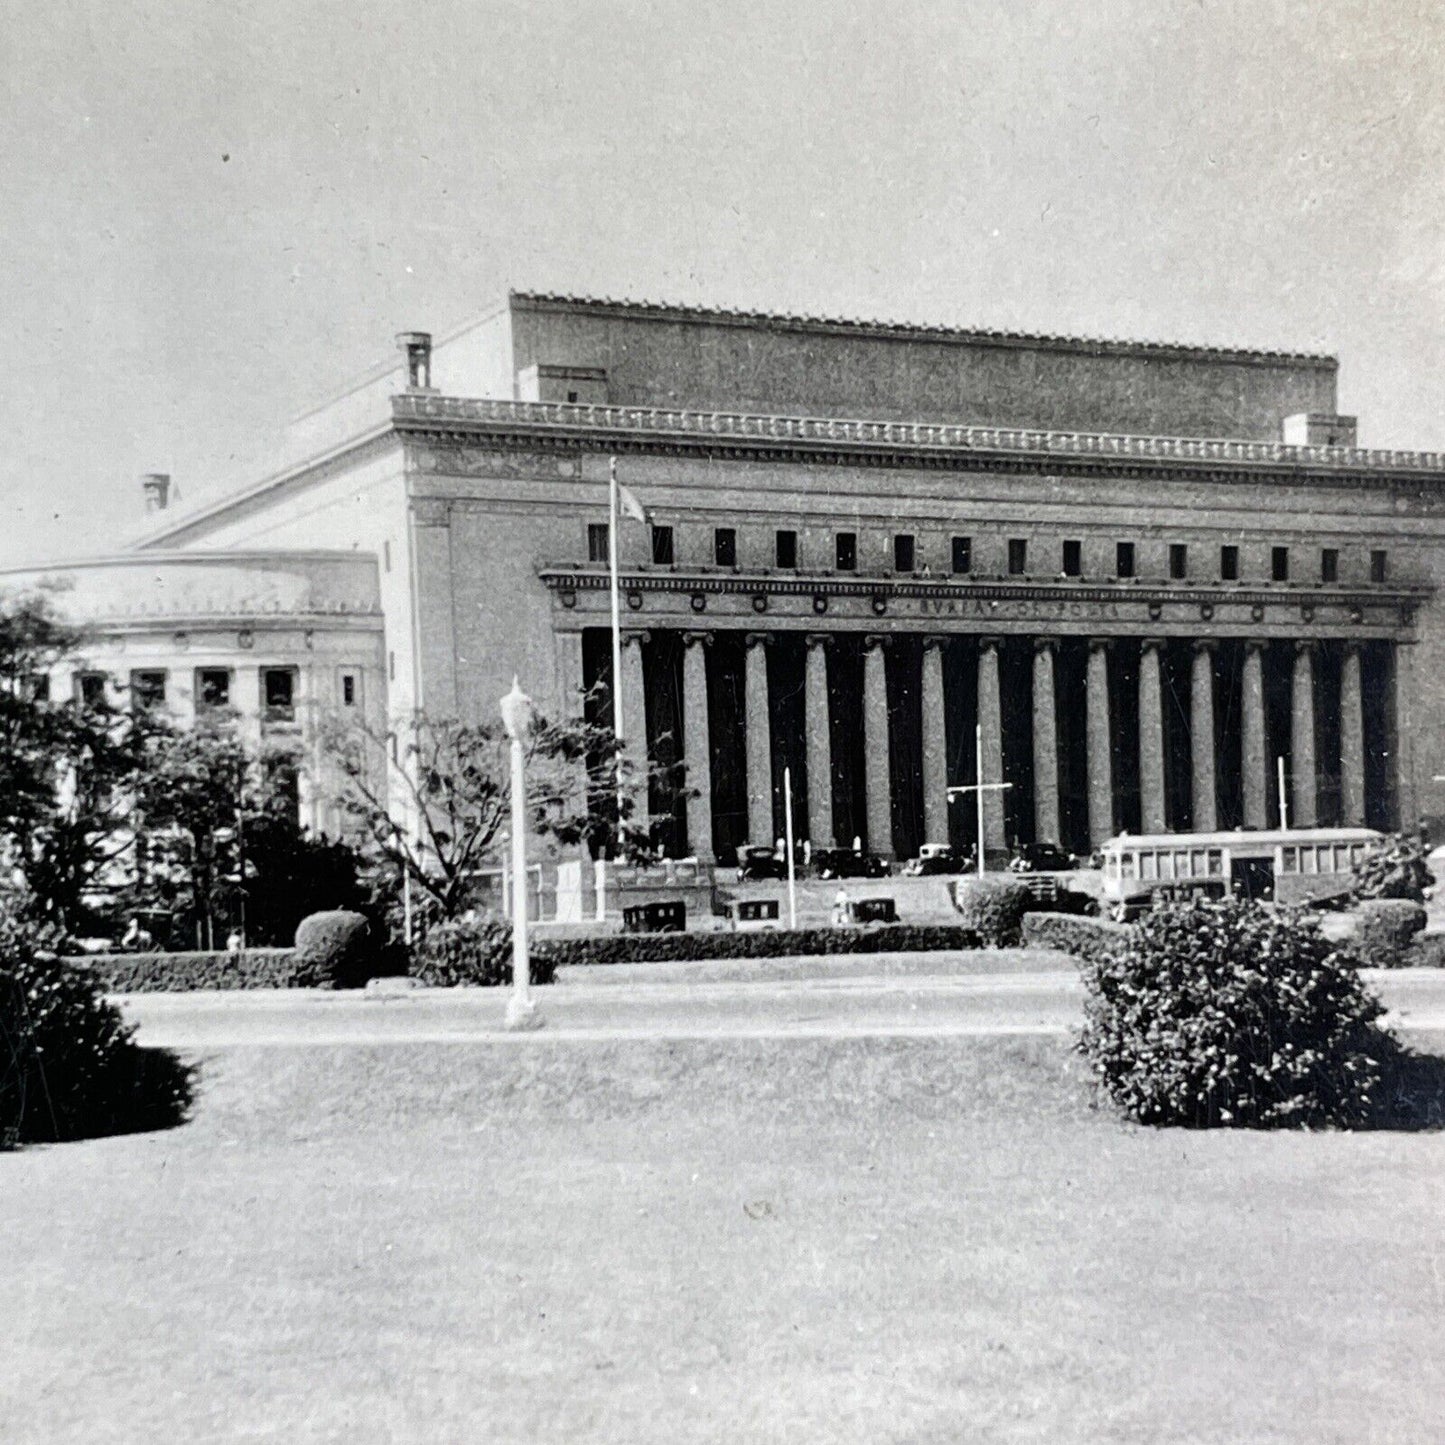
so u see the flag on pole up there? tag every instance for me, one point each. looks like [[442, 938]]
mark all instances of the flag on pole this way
[[629, 505]]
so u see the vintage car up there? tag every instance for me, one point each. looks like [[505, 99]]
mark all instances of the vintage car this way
[[845, 863], [1041, 858], [935, 859], [758, 861]]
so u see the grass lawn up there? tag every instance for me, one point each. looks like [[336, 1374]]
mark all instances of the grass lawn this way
[[735, 1240]]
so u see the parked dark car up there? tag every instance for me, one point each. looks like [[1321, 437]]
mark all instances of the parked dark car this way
[[1041, 858], [845, 863], [668, 917], [937, 859], [873, 910], [759, 861]]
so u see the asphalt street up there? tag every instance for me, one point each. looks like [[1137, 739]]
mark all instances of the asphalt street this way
[[937, 1006]]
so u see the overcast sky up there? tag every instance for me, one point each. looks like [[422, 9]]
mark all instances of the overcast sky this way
[[211, 213]]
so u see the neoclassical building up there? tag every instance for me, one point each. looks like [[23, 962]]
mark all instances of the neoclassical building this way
[[1144, 576]]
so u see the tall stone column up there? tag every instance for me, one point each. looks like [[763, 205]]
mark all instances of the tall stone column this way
[[1151, 738], [877, 772], [1202, 791], [759, 740], [1352, 740], [1100, 756], [935, 745], [990, 754], [1046, 743], [1303, 812], [569, 674], [697, 744], [819, 743], [1254, 751], [634, 727]]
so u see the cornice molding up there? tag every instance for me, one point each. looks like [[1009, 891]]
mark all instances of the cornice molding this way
[[563, 426]]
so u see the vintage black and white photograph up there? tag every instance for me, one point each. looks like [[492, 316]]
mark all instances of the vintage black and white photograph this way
[[722, 722]]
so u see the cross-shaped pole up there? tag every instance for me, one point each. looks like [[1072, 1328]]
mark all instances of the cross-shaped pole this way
[[978, 789]]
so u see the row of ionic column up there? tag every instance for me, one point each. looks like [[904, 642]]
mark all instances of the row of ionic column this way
[[1099, 730]]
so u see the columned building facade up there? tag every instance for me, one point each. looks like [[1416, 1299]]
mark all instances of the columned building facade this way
[[1140, 584]]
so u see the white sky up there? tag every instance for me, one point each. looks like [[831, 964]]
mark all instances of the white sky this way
[[211, 213]]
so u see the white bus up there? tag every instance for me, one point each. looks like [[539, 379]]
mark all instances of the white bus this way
[[1285, 863]]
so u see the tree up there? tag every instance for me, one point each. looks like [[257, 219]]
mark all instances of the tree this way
[[436, 817], [68, 769]]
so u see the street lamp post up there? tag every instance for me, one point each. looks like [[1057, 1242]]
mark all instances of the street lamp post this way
[[522, 1013]]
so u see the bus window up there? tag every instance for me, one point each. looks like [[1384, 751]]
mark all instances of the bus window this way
[[1148, 865]]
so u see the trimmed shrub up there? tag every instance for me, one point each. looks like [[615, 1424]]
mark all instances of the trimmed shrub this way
[[476, 951], [1385, 929], [1395, 869], [1426, 950], [1227, 1013], [1085, 938], [993, 908], [774, 943], [69, 1066], [333, 950], [190, 972]]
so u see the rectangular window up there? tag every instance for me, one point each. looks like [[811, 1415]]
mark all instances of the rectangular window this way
[[1229, 563], [37, 687], [213, 688], [597, 542], [963, 554], [278, 693], [725, 546], [1018, 556], [1178, 560], [787, 549], [91, 688], [1123, 559], [662, 546], [1329, 564], [846, 547], [350, 689], [1073, 559], [148, 690], [1379, 564], [1279, 563], [903, 552]]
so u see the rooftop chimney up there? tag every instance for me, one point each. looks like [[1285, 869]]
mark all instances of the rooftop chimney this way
[[157, 489], [417, 346]]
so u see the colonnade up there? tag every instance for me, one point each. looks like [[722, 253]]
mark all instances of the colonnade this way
[[1100, 727]]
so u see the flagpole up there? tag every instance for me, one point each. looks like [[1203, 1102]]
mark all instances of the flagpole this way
[[616, 637]]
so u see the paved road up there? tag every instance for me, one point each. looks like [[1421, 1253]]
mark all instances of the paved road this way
[[1012, 1003]]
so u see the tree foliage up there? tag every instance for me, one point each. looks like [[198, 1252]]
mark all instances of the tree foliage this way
[[441, 812], [1396, 868]]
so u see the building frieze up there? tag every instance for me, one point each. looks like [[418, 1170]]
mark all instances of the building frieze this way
[[921, 599], [458, 424]]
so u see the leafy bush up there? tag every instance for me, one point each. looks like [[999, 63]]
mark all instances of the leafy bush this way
[[333, 950], [1229, 1013], [777, 943], [1085, 938], [1426, 950], [1385, 929], [475, 950], [69, 1066], [1395, 869], [189, 972], [993, 908]]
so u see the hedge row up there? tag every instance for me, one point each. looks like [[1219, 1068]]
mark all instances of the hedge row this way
[[1086, 938], [778, 943], [187, 972]]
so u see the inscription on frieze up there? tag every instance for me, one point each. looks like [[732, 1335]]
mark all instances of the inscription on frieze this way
[[1028, 609], [474, 462]]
